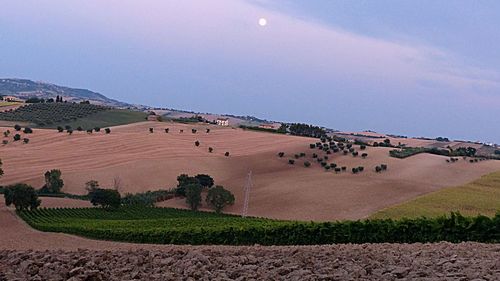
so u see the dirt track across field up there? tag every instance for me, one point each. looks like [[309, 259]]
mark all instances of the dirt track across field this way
[[143, 161]]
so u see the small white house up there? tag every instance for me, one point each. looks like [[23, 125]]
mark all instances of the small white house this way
[[12, 99], [222, 121]]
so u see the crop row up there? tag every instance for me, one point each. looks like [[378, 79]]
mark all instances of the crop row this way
[[44, 114], [164, 225]]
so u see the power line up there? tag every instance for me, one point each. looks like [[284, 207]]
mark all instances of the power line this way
[[248, 186]]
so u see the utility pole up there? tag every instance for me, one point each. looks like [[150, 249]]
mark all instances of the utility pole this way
[[248, 186]]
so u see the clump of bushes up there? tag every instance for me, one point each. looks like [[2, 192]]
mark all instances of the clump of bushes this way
[[364, 155], [197, 143], [17, 137], [307, 164], [151, 130], [226, 154], [281, 154], [218, 198], [210, 149], [291, 161], [107, 130]]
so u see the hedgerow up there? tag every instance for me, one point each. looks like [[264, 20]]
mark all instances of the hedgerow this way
[[173, 226]]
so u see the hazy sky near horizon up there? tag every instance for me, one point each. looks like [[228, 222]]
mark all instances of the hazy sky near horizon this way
[[418, 68]]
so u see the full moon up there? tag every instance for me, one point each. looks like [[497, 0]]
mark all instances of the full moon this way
[[262, 22]]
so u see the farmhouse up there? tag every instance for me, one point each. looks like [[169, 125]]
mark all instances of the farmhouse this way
[[12, 99], [267, 126], [222, 121], [153, 117]]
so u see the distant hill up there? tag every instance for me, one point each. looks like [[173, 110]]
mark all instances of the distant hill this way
[[24, 88]]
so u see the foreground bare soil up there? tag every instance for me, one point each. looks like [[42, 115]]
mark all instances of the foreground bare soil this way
[[28, 254], [442, 261], [141, 161]]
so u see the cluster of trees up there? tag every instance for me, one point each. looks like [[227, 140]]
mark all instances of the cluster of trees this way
[[192, 187], [380, 168], [299, 129], [385, 143], [49, 100], [358, 169]]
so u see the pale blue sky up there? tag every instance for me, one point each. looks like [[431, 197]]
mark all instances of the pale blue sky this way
[[421, 68]]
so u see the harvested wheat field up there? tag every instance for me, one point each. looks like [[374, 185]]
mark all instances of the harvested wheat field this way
[[139, 160]]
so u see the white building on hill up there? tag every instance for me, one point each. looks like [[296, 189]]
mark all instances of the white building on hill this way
[[222, 121]]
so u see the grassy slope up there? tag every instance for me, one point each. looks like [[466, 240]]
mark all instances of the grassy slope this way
[[107, 118], [478, 197]]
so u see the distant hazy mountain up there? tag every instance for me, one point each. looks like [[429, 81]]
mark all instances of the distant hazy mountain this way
[[24, 88]]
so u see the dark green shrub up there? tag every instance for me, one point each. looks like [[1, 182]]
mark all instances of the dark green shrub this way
[[345, 152], [79, 128], [193, 131], [17, 127], [323, 164], [60, 129], [210, 149], [355, 170], [17, 137], [106, 198], [361, 168], [97, 129], [291, 161], [208, 131], [378, 169], [383, 166], [302, 154], [218, 198], [296, 156], [107, 130], [333, 165], [166, 130], [362, 147], [312, 145], [355, 153], [307, 164], [151, 130], [197, 143], [314, 155], [4, 142], [226, 154], [344, 168], [281, 154], [337, 170], [26, 140], [27, 130]]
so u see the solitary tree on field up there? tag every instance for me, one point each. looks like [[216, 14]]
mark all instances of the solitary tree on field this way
[[53, 181], [218, 198]]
